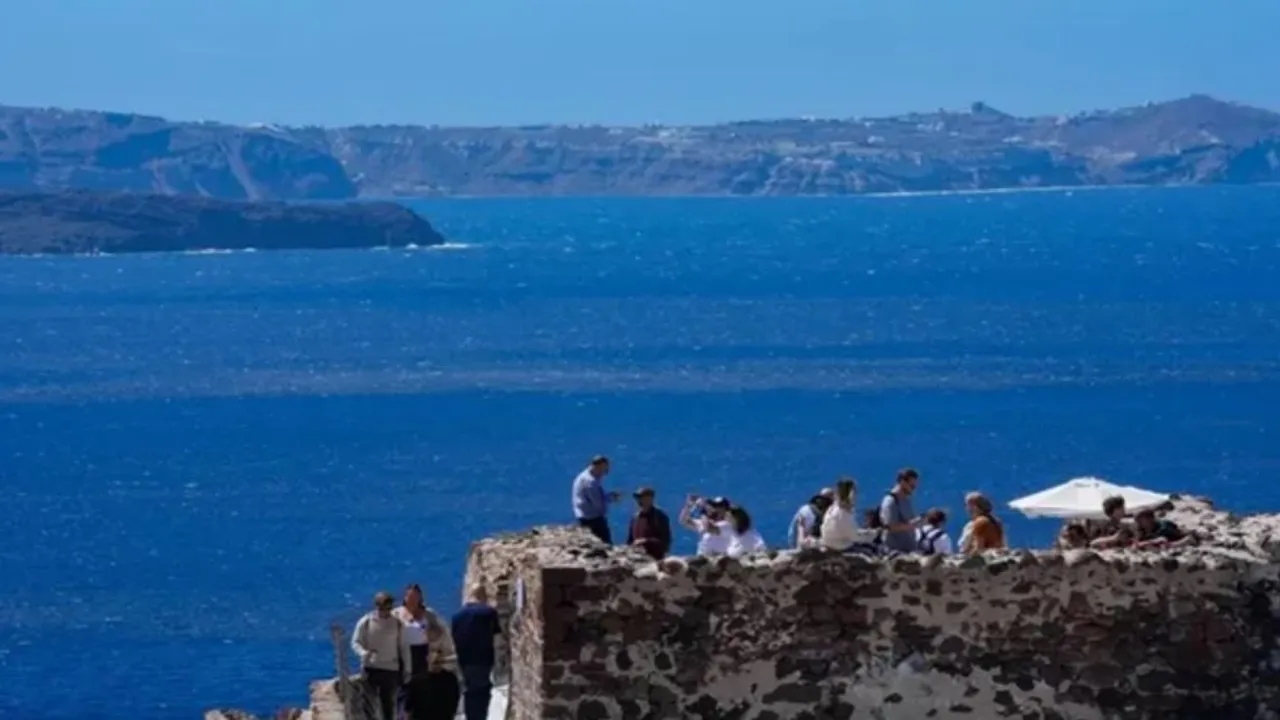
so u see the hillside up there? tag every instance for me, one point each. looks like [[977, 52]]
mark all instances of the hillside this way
[[1194, 140], [82, 221]]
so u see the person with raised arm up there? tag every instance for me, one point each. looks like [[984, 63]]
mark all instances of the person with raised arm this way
[[715, 532]]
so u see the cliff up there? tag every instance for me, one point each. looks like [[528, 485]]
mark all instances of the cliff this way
[[94, 222], [1194, 140]]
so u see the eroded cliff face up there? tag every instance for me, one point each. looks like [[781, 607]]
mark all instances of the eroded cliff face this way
[[1191, 140], [606, 633]]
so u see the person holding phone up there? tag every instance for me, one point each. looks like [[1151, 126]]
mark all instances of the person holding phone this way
[[715, 532]]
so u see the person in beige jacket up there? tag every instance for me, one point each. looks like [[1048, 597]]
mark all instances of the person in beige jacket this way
[[380, 644]]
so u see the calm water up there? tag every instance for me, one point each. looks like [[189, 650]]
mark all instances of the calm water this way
[[205, 459]]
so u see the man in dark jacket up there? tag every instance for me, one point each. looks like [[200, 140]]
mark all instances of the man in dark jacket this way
[[650, 528], [474, 628]]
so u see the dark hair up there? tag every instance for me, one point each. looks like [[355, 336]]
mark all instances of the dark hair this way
[[413, 586], [872, 519], [845, 488], [1145, 515], [1075, 529], [383, 599], [599, 460], [1112, 504], [935, 517], [741, 518], [906, 474]]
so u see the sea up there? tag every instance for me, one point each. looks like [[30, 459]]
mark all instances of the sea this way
[[207, 459]]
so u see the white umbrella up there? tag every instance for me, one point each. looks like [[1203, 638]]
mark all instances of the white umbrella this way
[[1081, 498]]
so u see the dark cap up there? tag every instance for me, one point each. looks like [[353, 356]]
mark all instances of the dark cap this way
[[719, 502], [642, 491]]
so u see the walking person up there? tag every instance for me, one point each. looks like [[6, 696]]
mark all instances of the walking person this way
[[441, 687], [897, 516], [379, 643], [650, 528], [591, 502], [474, 628], [413, 616]]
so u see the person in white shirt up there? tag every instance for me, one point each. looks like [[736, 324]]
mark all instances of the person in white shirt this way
[[745, 539], [715, 532], [807, 523], [932, 537], [839, 527]]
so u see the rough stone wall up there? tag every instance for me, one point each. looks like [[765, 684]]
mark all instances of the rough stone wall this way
[[608, 633]]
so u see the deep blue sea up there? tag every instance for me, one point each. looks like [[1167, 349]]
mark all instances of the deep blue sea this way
[[207, 458]]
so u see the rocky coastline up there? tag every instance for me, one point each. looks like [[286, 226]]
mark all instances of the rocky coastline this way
[[89, 222], [1194, 140]]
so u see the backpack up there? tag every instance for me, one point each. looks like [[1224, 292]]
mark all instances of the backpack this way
[[925, 540]]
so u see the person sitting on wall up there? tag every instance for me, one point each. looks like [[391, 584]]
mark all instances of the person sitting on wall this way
[[839, 530], [591, 502], [1112, 533], [806, 526], [932, 537], [708, 518], [650, 528], [1073, 537], [984, 530], [745, 539], [1157, 533]]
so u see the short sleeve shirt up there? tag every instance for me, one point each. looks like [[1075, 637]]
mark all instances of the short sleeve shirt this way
[[895, 510]]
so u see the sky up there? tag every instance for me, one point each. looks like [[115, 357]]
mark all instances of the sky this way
[[489, 62]]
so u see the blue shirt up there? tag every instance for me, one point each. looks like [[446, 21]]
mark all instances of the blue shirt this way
[[474, 627], [589, 499]]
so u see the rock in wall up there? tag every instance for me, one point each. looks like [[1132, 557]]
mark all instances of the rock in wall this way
[[606, 633]]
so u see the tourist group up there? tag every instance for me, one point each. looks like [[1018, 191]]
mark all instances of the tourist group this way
[[829, 520], [411, 660]]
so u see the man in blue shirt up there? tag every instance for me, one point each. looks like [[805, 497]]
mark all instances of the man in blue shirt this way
[[474, 628], [591, 502]]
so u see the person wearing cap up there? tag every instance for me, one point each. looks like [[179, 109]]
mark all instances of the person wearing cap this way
[[591, 502], [715, 532], [650, 528], [807, 523]]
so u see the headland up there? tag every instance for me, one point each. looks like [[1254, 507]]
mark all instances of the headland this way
[[88, 222], [1194, 140], [594, 631]]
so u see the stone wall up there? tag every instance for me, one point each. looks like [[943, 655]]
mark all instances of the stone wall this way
[[607, 633]]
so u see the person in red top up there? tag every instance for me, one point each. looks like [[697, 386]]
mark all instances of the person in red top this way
[[650, 528]]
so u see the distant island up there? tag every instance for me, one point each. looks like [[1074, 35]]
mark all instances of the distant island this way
[[83, 222], [1194, 140]]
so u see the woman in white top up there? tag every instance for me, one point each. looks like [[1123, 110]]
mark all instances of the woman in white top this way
[[745, 538], [839, 529], [432, 691], [715, 532]]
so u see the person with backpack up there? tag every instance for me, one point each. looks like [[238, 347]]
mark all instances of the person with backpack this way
[[932, 537], [897, 517]]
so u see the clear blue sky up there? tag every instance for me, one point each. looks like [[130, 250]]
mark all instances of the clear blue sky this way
[[627, 61]]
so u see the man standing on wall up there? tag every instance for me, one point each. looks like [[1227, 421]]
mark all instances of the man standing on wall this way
[[650, 527], [474, 628], [896, 514], [591, 502]]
